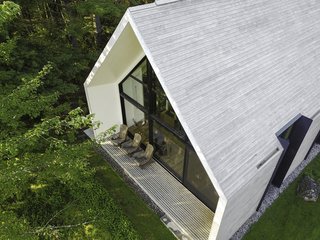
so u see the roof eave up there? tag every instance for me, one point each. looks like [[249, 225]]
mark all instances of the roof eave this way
[[176, 109], [122, 24]]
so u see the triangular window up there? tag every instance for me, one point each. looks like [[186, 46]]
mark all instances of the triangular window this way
[[147, 111]]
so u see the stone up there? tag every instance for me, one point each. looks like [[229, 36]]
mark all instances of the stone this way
[[308, 189]]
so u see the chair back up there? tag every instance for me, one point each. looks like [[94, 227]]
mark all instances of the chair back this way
[[136, 140], [123, 131], [149, 151]]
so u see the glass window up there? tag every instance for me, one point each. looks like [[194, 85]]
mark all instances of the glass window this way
[[141, 72], [137, 121], [149, 101], [200, 182], [135, 90], [168, 149], [164, 109]]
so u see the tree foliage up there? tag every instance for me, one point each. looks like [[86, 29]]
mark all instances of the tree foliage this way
[[47, 189]]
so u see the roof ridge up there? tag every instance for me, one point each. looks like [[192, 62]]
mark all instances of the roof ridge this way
[[163, 2], [142, 7]]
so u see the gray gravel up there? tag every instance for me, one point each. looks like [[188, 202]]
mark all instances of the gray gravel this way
[[273, 193]]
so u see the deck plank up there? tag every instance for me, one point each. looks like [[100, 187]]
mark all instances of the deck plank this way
[[177, 202]]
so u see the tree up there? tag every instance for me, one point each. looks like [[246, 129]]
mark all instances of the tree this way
[[36, 155], [46, 184], [44, 173]]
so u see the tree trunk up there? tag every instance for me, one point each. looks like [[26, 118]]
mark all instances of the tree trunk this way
[[98, 26]]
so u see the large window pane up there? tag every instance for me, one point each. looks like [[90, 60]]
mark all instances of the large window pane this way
[[135, 90], [169, 149], [136, 121], [141, 71], [149, 101], [200, 182], [164, 109]]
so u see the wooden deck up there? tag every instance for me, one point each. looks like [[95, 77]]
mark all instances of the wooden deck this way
[[192, 217]]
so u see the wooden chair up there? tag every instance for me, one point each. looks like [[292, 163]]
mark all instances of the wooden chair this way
[[132, 146], [144, 157], [121, 136]]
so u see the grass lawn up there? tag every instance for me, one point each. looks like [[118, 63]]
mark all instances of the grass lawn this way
[[143, 219], [290, 217]]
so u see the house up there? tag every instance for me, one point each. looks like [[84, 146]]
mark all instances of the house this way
[[227, 92]]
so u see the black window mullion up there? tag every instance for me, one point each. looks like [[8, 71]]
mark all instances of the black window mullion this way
[[170, 129], [188, 143], [124, 119], [185, 164], [135, 68], [138, 80], [123, 111], [151, 100], [133, 102]]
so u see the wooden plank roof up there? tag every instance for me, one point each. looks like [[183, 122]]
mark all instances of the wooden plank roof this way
[[235, 72]]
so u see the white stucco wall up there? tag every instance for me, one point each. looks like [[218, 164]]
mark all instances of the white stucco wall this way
[[120, 55], [104, 101]]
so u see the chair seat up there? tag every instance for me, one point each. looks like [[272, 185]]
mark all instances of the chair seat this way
[[131, 150], [142, 158], [142, 161], [119, 141], [139, 154], [127, 144], [121, 136]]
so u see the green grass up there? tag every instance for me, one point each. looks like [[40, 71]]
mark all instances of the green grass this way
[[290, 217], [143, 219]]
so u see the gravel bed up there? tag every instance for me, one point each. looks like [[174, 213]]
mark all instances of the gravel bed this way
[[273, 193]]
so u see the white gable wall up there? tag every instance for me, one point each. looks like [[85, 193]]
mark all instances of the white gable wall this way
[[119, 57], [104, 102]]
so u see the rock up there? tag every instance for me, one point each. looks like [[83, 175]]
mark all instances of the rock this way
[[308, 189]]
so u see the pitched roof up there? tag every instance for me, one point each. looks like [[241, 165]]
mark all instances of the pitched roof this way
[[235, 72]]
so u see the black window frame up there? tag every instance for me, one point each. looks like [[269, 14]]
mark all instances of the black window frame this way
[[152, 117]]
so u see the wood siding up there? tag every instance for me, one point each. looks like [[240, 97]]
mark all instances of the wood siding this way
[[235, 72]]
